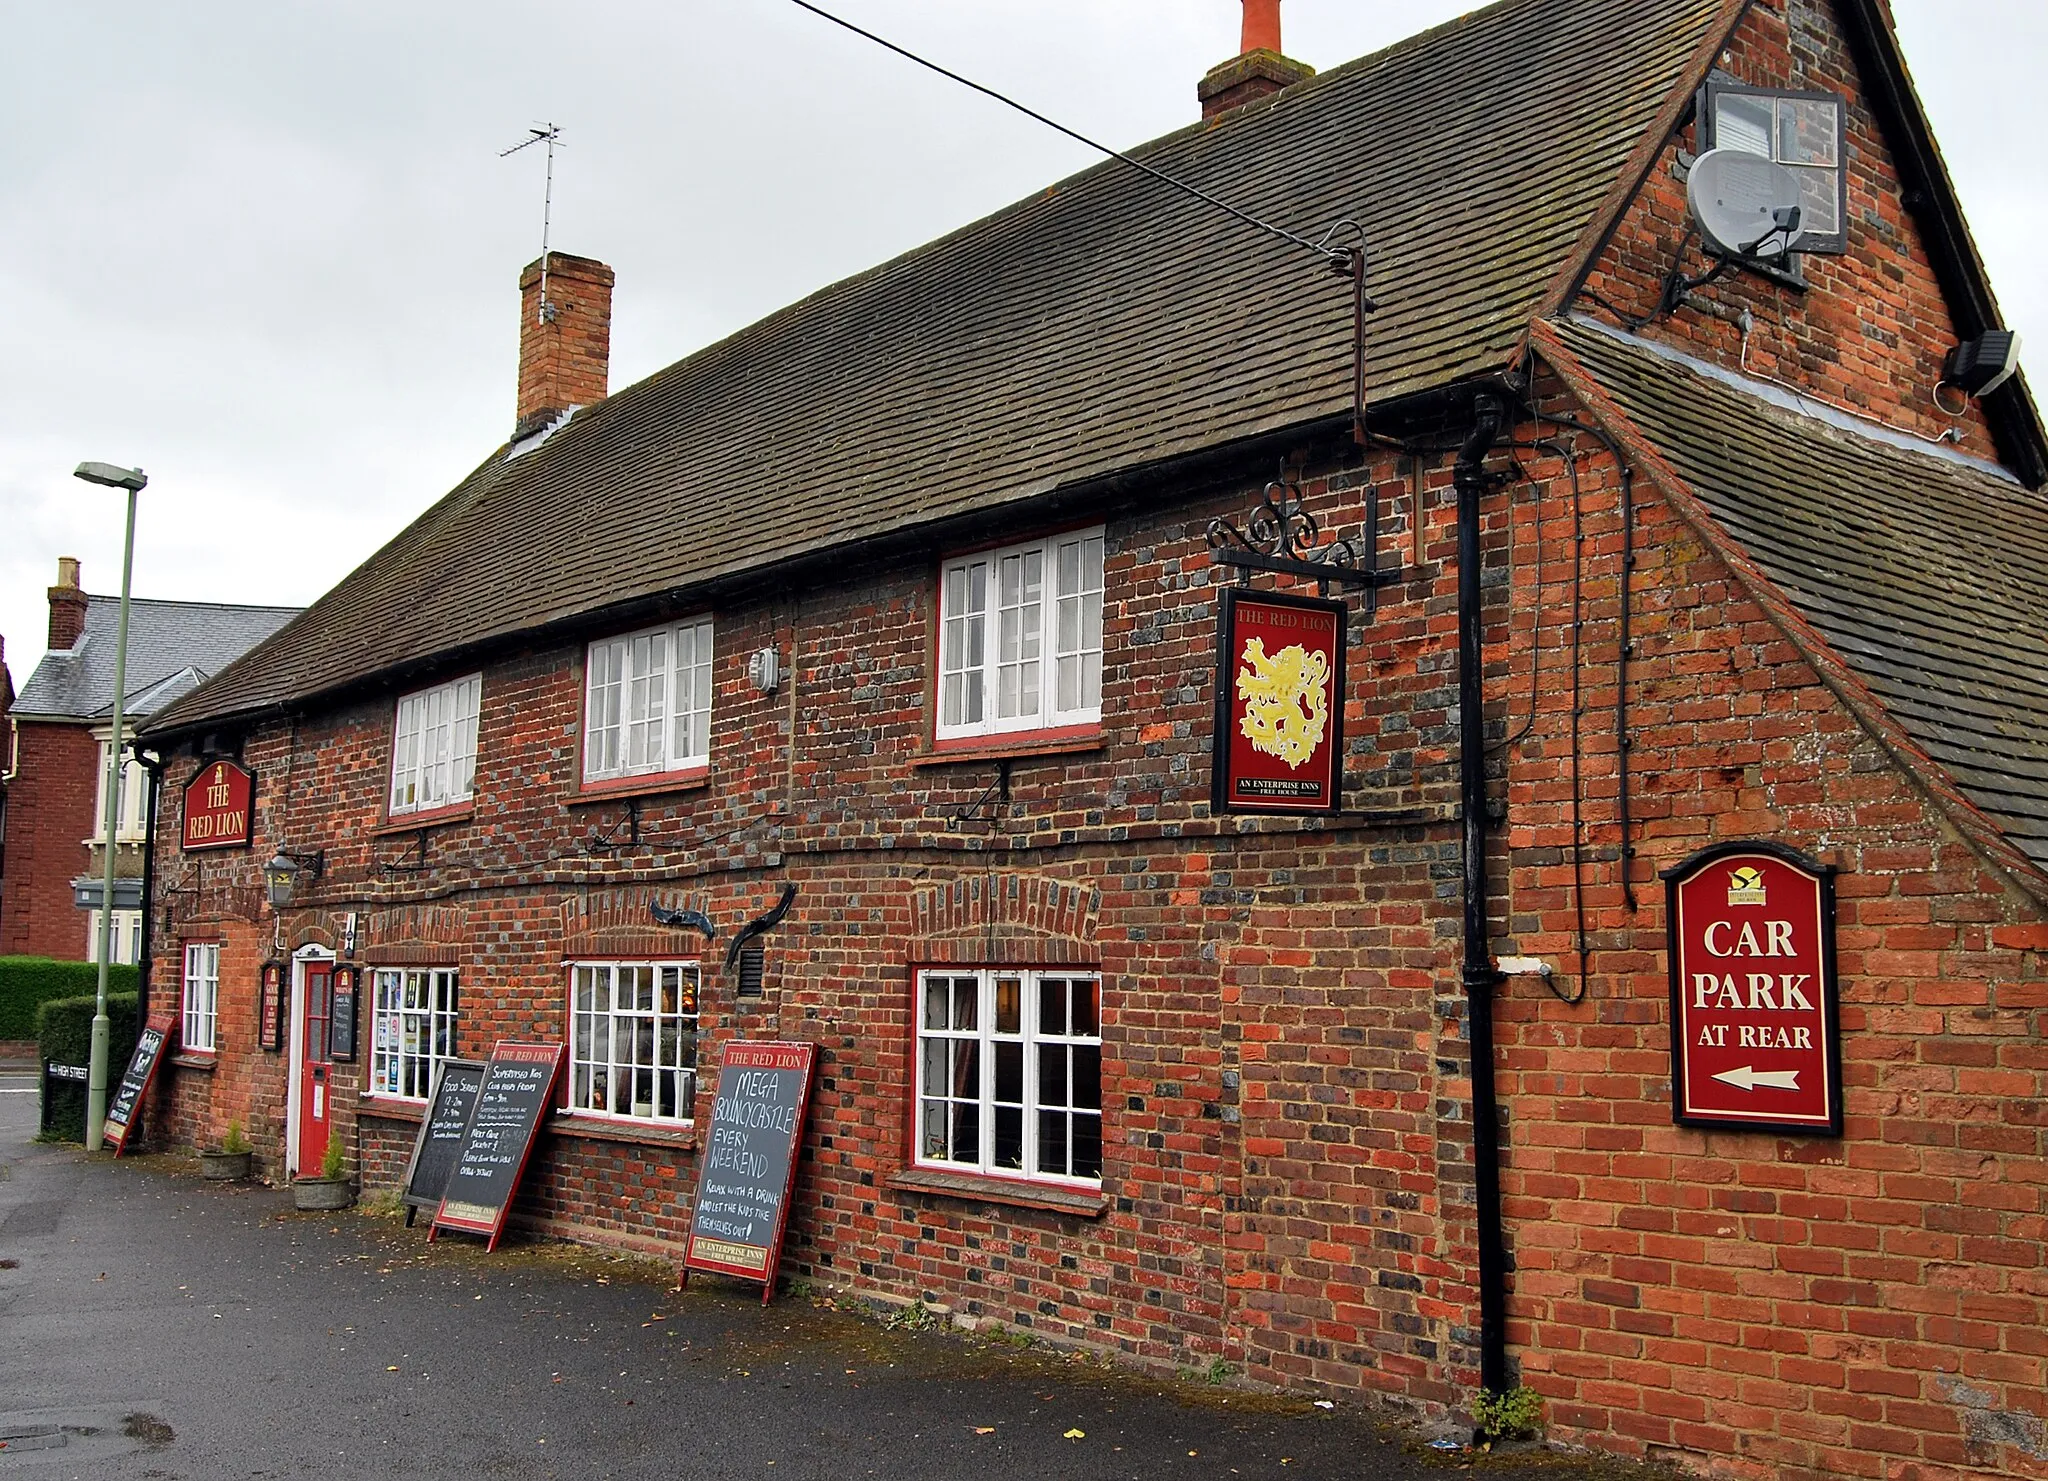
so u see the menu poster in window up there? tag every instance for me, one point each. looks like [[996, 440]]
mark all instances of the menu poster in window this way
[[341, 1026], [134, 1086], [518, 1085], [1279, 740], [456, 1083], [270, 1008], [748, 1166]]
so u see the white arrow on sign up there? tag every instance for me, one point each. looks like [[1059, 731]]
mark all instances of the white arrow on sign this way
[[1747, 1078]]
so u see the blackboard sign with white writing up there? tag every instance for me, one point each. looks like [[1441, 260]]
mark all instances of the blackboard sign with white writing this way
[[518, 1085], [149, 1053], [748, 1165], [456, 1083], [341, 1023]]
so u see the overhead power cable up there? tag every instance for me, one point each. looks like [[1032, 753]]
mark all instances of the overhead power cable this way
[[1321, 249]]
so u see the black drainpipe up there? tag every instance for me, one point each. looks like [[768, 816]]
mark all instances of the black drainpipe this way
[[1479, 973]]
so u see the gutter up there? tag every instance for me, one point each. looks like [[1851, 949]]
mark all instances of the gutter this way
[[1479, 972]]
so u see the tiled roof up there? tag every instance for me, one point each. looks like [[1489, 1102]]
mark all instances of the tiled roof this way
[[1100, 326], [165, 640], [1929, 577]]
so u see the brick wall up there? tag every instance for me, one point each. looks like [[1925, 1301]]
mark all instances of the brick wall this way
[[1872, 331], [49, 815]]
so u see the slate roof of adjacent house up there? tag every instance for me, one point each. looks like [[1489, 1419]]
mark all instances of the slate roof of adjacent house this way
[[1928, 576], [1101, 326], [173, 647]]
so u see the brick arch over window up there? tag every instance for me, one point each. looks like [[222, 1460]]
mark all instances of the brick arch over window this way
[[620, 923], [414, 936], [994, 919]]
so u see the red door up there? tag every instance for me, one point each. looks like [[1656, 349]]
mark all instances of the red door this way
[[316, 1070]]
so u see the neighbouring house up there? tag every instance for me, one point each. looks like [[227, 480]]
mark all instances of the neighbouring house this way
[[60, 728], [1600, 948]]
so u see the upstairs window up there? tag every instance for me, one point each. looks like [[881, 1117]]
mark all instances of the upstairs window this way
[[1020, 638], [433, 746], [1801, 131], [131, 818], [647, 703]]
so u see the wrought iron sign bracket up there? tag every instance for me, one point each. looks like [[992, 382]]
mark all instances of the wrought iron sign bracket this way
[[1282, 537], [418, 865], [609, 842]]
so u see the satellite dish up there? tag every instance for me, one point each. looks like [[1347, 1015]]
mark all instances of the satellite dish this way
[[1746, 205]]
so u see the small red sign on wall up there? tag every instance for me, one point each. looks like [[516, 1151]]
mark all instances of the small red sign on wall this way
[[1755, 1040], [220, 807], [1279, 742]]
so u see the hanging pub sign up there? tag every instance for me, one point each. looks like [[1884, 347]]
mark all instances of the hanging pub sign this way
[[1755, 1038], [220, 807], [1279, 740], [270, 1008]]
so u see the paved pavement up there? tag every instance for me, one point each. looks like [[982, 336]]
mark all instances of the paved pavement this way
[[153, 1325]]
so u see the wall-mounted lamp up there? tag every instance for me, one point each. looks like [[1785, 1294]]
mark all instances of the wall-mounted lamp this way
[[1979, 366], [282, 873], [764, 670]]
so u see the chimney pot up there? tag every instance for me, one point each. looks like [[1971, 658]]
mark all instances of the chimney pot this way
[[1258, 70], [1261, 26], [565, 346], [67, 607]]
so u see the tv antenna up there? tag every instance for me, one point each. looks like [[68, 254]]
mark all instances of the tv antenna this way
[[549, 134]]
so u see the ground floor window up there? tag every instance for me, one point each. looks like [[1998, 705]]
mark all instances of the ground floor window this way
[[412, 1029], [127, 936], [201, 996], [633, 1039], [1009, 1073]]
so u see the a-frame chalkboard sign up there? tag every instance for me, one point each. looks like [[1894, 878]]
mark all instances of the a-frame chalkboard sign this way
[[456, 1082], [141, 1073], [518, 1086], [747, 1168]]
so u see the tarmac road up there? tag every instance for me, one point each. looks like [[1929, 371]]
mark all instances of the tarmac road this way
[[153, 1325]]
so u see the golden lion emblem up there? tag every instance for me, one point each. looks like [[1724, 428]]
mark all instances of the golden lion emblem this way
[[1287, 700]]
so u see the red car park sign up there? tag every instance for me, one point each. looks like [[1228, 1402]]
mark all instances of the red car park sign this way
[[220, 810], [1755, 1037], [1279, 741]]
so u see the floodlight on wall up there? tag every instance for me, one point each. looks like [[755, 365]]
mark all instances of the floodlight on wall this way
[[281, 874], [1979, 366]]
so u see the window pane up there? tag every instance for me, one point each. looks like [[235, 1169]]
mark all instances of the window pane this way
[[1087, 1152], [1743, 123], [1087, 1077], [966, 1078], [1052, 1006], [1052, 1075], [935, 1000], [966, 1002], [1819, 202], [1052, 1143], [1009, 1005], [1010, 1073], [1009, 1147], [1087, 1009], [1806, 131]]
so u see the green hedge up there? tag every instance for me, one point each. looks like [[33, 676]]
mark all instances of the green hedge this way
[[64, 1035], [28, 982]]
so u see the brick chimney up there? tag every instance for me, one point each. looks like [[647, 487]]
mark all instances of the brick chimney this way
[[1258, 69], [565, 347], [67, 606]]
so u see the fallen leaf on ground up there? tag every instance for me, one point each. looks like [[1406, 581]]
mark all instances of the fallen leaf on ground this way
[[1075, 1435], [984, 1429]]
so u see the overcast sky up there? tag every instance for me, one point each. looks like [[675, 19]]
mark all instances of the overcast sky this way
[[268, 252]]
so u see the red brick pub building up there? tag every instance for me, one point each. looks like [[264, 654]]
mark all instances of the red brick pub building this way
[[907, 598]]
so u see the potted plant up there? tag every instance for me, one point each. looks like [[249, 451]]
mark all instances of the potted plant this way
[[232, 1160], [330, 1190]]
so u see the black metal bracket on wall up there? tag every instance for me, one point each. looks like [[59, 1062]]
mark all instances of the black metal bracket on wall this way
[[608, 841], [759, 926], [1281, 536], [400, 866]]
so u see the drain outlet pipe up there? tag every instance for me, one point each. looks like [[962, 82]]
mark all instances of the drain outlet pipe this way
[[1479, 973]]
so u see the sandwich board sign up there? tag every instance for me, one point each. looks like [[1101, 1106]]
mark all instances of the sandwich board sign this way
[[518, 1086], [748, 1165]]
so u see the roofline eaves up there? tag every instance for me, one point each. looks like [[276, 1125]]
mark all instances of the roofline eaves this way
[[1984, 836]]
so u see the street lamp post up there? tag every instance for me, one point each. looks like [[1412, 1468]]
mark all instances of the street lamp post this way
[[134, 481]]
